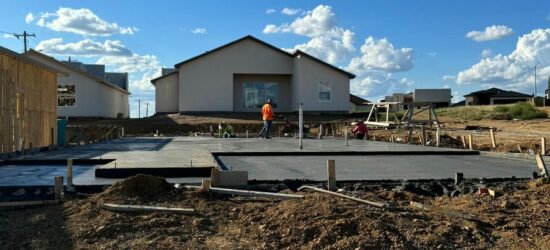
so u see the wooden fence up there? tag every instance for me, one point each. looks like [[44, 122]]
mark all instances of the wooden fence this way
[[28, 103]]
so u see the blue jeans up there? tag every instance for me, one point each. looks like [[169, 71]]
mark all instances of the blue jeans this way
[[266, 128]]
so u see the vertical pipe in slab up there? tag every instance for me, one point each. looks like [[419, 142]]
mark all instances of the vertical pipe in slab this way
[[300, 126], [331, 175], [69, 173], [438, 136]]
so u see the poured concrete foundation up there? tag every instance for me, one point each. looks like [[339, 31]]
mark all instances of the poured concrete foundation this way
[[367, 164]]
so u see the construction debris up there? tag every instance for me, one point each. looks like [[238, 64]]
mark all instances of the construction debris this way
[[249, 193], [370, 203], [136, 208]]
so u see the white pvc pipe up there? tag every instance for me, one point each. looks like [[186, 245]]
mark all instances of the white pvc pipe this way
[[300, 126]]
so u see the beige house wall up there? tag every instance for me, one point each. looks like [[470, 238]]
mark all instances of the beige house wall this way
[[206, 83], [308, 75], [167, 94]]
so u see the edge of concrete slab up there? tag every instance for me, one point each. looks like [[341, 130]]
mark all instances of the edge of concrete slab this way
[[167, 172], [512, 156], [322, 153], [55, 162]]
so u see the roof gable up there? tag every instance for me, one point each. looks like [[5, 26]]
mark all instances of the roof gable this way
[[251, 38]]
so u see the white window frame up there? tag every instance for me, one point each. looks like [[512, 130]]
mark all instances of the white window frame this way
[[67, 95], [320, 89]]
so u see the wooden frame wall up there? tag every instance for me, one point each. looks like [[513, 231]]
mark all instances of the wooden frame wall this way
[[28, 104]]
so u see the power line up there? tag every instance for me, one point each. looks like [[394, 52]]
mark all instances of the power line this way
[[24, 35]]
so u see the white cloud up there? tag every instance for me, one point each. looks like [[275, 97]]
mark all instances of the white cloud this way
[[86, 47], [8, 36], [381, 55], [375, 85], [142, 68], [486, 53], [198, 31], [290, 11], [270, 11], [448, 78], [29, 18], [327, 41], [515, 70], [493, 32], [133, 63], [143, 83], [81, 21]]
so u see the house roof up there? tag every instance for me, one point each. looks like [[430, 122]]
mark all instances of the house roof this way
[[153, 81], [299, 52], [83, 72], [496, 92], [249, 37], [357, 100], [30, 60]]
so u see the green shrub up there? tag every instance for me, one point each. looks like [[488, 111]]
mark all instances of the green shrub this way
[[520, 110]]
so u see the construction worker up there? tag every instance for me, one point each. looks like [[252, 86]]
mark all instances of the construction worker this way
[[360, 130], [226, 130], [267, 117]]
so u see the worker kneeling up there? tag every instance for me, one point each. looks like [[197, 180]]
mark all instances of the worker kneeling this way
[[226, 130], [360, 131]]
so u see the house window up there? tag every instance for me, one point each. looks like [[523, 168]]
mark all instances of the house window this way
[[66, 95], [324, 92], [256, 93]]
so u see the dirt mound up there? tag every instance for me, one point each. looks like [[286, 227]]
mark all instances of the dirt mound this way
[[145, 187]]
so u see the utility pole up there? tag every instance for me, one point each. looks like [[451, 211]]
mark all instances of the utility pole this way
[[146, 109], [24, 35], [535, 80], [139, 108], [535, 92]]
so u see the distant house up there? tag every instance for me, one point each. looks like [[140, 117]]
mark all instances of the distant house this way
[[241, 75], [87, 90], [494, 96], [438, 97], [358, 104]]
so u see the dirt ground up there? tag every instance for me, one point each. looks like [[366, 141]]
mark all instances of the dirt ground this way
[[517, 218]]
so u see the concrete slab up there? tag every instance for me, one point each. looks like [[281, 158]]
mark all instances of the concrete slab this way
[[197, 152], [37, 175], [374, 167]]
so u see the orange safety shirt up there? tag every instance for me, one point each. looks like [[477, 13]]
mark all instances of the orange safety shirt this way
[[267, 112]]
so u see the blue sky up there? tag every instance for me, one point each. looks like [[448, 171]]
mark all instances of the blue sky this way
[[392, 46]]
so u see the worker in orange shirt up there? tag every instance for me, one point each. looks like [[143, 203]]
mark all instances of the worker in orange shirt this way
[[267, 117]]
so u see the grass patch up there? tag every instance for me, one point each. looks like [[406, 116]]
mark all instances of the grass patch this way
[[520, 110], [466, 113]]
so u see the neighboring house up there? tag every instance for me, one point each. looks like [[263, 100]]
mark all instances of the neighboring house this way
[[495, 96], [241, 75], [87, 90], [358, 104], [438, 97]]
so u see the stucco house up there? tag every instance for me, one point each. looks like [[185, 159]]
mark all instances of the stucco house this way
[[241, 75], [86, 90]]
